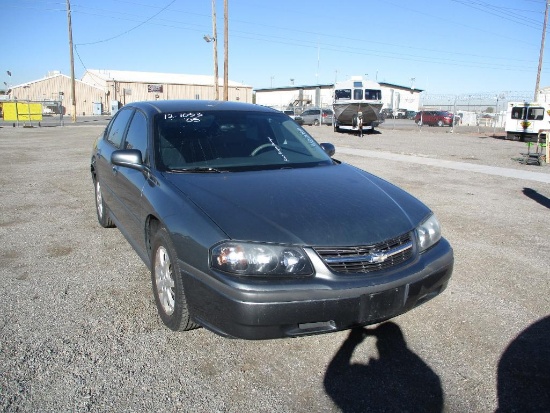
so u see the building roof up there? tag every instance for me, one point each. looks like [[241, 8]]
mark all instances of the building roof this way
[[331, 85], [100, 78], [390, 85], [295, 87], [50, 75]]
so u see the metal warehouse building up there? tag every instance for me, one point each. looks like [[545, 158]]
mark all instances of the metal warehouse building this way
[[102, 91], [54, 90]]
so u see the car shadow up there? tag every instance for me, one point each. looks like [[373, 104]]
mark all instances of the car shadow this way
[[523, 376], [398, 380], [535, 196]]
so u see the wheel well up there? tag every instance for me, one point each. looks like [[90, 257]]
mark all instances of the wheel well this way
[[92, 168], [152, 225]]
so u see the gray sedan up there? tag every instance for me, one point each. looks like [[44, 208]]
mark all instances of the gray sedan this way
[[315, 117], [251, 229]]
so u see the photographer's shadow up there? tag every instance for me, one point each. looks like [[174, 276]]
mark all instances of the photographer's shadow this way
[[397, 381]]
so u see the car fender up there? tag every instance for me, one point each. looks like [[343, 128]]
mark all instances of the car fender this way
[[181, 217]]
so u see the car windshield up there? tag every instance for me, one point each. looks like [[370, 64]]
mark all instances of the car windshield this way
[[233, 141]]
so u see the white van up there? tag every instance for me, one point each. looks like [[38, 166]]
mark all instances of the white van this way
[[525, 120]]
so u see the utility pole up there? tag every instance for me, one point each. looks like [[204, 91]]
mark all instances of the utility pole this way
[[541, 50], [226, 51], [73, 97], [215, 34]]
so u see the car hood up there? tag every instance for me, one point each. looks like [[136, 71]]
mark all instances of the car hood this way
[[326, 205]]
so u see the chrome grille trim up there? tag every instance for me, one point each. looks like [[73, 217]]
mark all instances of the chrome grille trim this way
[[369, 258]]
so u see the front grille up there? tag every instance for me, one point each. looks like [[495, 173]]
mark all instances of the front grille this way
[[367, 259]]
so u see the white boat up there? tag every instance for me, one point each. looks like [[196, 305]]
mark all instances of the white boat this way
[[355, 97]]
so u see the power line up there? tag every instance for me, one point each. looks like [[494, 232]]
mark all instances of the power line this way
[[129, 30], [500, 12]]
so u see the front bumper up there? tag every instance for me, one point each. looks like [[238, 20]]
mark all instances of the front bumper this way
[[259, 309]]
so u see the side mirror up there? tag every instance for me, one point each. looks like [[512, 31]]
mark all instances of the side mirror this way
[[129, 158], [329, 149]]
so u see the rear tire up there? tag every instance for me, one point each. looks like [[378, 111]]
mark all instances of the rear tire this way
[[316, 122], [440, 123], [167, 283]]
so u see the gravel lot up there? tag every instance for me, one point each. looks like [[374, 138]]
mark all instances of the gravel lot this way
[[79, 330]]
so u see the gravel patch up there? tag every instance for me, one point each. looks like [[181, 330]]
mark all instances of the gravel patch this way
[[79, 330]]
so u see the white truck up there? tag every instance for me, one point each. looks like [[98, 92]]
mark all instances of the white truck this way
[[525, 120]]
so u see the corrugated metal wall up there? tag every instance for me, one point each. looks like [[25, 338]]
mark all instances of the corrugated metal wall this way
[[48, 89], [127, 92]]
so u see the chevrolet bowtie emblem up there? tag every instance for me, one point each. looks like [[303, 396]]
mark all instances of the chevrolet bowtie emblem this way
[[376, 257]]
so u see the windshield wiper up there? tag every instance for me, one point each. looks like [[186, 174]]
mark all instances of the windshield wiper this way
[[198, 169]]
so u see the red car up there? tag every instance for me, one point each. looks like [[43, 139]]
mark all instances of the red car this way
[[434, 117]]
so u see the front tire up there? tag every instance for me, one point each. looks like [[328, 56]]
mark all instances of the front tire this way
[[167, 283], [103, 215]]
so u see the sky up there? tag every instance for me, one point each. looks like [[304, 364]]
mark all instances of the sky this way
[[442, 47]]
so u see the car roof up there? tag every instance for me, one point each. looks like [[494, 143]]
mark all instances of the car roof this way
[[165, 106]]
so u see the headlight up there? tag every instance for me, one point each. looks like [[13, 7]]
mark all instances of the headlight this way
[[243, 258], [428, 233]]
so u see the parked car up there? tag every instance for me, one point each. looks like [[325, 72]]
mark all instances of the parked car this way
[[289, 113], [311, 117], [434, 118], [411, 114], [386, 113], [400, 113], [250, 228]]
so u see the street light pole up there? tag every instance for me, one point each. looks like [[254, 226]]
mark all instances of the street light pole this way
[[541, 50], [225, 51], [214, 41], [215, 46]]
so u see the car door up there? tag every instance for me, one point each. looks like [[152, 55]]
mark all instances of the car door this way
[[128, 183], [429, 118], [316, 116], [111, 142], [306, 117]]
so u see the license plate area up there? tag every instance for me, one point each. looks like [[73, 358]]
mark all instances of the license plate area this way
[[384, 304]]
